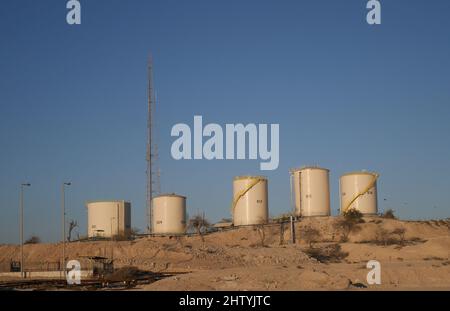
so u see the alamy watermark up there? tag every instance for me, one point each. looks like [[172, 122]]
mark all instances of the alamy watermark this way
[[374, 275], [235, 136], [73, 16], [374, 15], [73, 276]]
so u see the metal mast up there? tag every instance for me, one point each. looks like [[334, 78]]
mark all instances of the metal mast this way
[[149, 145], [156, 168]]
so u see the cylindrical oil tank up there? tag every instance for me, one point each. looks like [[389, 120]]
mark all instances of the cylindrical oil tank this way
[[250, 200], [311, 191], [169, 214], [359, 191], [108, 218]]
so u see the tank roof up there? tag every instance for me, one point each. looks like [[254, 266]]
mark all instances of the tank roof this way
[[249, 177], [360, 173], [169, 195], [311, 167], [107, 201]]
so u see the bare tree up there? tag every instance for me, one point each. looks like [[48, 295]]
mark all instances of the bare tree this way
[[72, 225], [200, 224]]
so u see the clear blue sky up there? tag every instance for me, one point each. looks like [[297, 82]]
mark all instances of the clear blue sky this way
[[347, 96]]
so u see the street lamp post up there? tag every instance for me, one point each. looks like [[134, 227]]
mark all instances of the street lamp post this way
[[63, 207], [21, 228]]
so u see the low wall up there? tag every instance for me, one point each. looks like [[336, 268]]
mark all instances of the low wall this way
[[43, 274]]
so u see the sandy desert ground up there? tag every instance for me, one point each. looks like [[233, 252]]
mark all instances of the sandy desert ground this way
[[256, 258]]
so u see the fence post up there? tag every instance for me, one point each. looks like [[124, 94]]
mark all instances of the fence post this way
[[292, 230]]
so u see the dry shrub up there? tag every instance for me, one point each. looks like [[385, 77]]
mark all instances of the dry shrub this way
[[389, 214], [200, 225], [260, 229], [328, 254], [33, 240], [121, 237], [394, 237], [400, 233], [353, 215], [382, 236], [310, 235], [348, 223]]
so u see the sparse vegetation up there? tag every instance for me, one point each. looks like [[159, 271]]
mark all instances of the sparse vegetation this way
[[389, 214], [200, 225], [417, 240], [310, 235], [282, 218], [434, 258], [394, 237], [328, 254], [121, 237], [33, 240], [254, 253], [400, 233], [382, 237], [135, 231], [261, 234], [349, 223], [354, 215], [82, 237]]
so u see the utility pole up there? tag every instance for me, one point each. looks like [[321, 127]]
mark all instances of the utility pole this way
[[21, 229], [63, 216]]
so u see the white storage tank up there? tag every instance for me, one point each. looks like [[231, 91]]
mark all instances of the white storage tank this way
[[311, 191], [359, 191], [250, 200], [109, 218], [169, 214]]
